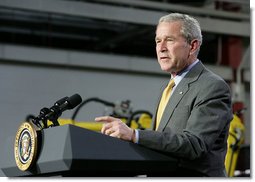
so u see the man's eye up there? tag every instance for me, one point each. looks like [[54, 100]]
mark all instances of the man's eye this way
[[157, 41]]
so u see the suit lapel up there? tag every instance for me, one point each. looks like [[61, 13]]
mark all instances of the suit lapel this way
[[181, 89]]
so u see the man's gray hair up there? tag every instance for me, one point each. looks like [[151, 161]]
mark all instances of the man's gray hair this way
[[190, 26]]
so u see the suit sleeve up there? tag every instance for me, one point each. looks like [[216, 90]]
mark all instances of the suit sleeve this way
[[206, 127]]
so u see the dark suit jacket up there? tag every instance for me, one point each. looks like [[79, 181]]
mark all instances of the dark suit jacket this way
[[194, 126]]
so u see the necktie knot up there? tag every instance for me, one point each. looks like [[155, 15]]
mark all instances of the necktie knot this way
[[171, 84]]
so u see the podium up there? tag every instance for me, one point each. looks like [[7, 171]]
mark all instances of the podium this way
[[69, 150]]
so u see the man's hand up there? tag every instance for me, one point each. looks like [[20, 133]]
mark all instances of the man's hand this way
[[116, 128]]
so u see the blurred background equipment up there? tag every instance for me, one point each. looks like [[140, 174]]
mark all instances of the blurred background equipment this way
[[139, 119], [235, 140]]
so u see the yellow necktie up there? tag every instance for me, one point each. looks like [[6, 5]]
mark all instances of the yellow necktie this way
[[164, 100]]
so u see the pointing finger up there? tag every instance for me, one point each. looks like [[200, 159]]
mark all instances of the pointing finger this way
[[105, 119]]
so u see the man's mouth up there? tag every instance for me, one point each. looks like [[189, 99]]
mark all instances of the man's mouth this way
[[163, 58]]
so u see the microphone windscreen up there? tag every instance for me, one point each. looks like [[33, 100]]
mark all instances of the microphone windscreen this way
[[74, 100]]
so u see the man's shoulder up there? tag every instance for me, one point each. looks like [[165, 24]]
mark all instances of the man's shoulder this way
[[212, 81], [203, 74], [211, 76]]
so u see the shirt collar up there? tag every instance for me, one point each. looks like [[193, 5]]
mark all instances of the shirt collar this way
[[182, 73]]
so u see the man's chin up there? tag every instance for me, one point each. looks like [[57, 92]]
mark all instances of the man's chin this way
[[165, 69]]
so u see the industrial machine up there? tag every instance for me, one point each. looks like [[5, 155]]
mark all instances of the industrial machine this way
[[235, 140]]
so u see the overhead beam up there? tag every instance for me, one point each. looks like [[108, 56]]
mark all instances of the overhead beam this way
[[87, 60], [123, 14], [181, 8]]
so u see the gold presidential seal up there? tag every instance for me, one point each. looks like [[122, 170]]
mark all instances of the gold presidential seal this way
[[25, 146]]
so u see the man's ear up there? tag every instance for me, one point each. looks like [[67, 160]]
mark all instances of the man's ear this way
[[194, 46]]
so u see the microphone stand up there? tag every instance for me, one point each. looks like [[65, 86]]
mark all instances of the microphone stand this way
[[42, 120]]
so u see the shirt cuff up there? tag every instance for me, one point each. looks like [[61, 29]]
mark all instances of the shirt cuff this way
[[136, 136]]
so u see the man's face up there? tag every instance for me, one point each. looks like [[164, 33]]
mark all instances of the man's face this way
[[173, 51]]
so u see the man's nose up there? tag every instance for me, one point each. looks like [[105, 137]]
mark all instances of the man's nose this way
[[162, 46]]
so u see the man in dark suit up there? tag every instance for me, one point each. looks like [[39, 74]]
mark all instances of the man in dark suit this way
[[192, 121]]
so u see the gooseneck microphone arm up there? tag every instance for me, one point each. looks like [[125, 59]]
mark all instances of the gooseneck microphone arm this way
[[56, 111]]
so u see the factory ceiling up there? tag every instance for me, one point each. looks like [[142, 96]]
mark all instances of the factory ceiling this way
[[114, 27]]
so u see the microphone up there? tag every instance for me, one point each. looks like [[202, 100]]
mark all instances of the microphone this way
[[63, 104], [56, 110], [61, 101], [71, 102]]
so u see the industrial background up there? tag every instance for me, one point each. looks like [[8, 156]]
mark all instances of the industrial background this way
[[105, 49]]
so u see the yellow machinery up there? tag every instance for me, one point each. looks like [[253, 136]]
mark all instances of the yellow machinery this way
[[235, 139], [143, 122]]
